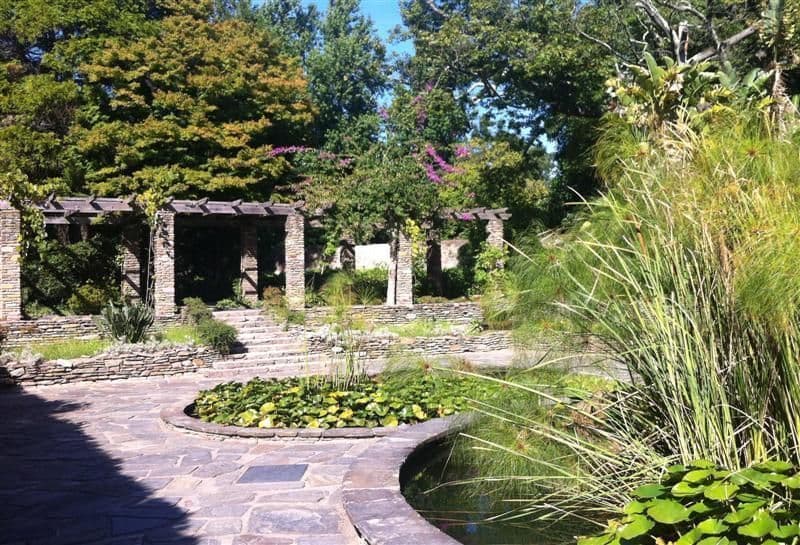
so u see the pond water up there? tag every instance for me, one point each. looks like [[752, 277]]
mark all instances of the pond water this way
[[463, 511]]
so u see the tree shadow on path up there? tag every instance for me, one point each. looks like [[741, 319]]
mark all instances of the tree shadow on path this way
[[58, 487]]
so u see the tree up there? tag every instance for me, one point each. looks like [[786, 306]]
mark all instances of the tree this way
[[296, 25], [347, 73], [41, 44], [192, 108]]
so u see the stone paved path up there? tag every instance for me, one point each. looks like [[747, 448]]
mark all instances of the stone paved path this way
[[91, 464]]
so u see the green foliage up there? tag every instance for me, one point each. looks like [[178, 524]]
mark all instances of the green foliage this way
[[490, 267], [128, 323], [423, 328], [229, 304], [157, 122], [67, 349], [217, 335], [347, 73], [315, 402], [700, 503], [90, 299], [196, 310], [54, 273], [360, 287], [179, 334]]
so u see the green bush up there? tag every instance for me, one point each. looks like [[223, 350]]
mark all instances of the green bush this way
[[228, 304], [126, 323], [272, 296], [217, 335], [89, 299], [54, 272], [316, 402], [196, 310], [704, 505]]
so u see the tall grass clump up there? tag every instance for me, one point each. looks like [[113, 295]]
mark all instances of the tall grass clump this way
[[692, 284]]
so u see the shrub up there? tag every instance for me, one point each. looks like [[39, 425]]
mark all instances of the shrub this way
[[125, 322], [217, 335], [89, 299], [272, 297], [701, 504], [196, 310], [228, 304], [53, 272]]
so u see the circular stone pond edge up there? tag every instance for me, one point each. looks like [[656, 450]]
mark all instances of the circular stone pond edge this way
[[372, 493], [178, 416]]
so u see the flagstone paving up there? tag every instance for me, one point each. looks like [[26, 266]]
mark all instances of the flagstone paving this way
[[92, 464]]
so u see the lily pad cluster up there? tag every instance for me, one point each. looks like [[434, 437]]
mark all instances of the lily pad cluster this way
[[316, 403], [701, 504]]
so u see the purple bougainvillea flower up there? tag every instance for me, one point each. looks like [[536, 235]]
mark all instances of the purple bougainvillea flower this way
[[465, 217], [432, 174], [283, 150], [462, 151]]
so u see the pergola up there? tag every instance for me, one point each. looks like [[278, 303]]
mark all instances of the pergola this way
[[65, 211]]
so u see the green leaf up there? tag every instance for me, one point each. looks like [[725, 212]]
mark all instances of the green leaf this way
[[761, 525], [792, 482], [267, 408], [702, 507], [389, 421], [712, 527], [639, 525], [698, 475], [601, 539], [634, 507], [786, 531], [720, 491], [668, 511], [715, 540], [648, 491], [774, 466], [744, 513], [684, 489], [690, 537], [703, 464]]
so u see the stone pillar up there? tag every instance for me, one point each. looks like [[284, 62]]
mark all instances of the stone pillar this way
[[347, 254], [164, 265], [131, 265], [62, 234], [84, 231], [10, 273], [404, 286], [295, 261], [249, 261], [494, 233]]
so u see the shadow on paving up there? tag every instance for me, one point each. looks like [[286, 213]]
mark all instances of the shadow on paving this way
[[58, 487]]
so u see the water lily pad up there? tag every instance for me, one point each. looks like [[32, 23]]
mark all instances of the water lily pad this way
[[775, 466], [639, 525], [712, 527], [715, 540], [761, 525], [697, 476], [690, 537], [634, 507], [668, 511], [720, 491], [684, 489], [744, 513], [648, 491]]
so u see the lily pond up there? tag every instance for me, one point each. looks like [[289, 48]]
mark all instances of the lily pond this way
[[466, 511]]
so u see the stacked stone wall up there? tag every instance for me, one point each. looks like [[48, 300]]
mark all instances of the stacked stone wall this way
[[22, 332], [381, 346], [119, 362], [455, 313]]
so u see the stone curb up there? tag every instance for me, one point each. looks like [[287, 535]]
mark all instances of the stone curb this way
[[178, 417], [371, 492]]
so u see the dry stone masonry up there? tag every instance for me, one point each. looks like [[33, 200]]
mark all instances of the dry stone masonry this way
[[10, 282], [249, 261], [131, 265], [454, 313], [164, 264], [295, 261], [120, 362]]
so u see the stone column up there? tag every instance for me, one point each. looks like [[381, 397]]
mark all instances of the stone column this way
[[249, 261], [295, 258], [85, 231], [10, 273], [404, 286], [131, 265], [494, 233], [164, 265]]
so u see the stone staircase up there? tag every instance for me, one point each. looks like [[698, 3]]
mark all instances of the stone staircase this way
[[265, 346]]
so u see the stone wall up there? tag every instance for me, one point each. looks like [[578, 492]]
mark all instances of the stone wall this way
[[383, 345], [119, 362], [455, 313], [295, 261], [164, 265], [49, 328], [10, 281]]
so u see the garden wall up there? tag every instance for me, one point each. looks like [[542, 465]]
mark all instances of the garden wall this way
[[455, 313], [19, 332], [380, 346], [119, 362]]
